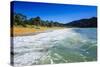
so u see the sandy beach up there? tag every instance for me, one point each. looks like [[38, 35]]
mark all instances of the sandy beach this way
[[26, 31]]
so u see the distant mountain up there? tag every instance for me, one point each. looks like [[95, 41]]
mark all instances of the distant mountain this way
[[91, 22]]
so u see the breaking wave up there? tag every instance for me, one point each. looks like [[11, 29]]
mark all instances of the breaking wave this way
[[58, 46]]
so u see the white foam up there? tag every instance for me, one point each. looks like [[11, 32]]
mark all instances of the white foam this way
[[30, 49]]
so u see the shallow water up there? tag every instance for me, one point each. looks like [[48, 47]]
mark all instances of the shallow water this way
[[58, 46]]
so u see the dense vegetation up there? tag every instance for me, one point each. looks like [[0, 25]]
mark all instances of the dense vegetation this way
[[21, 20], [91, 22]]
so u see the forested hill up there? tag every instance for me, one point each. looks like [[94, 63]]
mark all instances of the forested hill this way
[[91, 22], [20, 19]]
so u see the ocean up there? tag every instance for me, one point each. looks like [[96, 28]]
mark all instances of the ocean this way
[[58, 46]]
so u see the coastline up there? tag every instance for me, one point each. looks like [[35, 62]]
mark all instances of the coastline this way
[[31, 31]]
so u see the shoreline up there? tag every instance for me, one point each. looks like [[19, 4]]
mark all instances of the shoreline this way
[[33, 33], [27, 33], [17, 31]]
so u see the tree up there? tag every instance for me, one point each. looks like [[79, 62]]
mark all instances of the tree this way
[[19, 19], [37, 21]]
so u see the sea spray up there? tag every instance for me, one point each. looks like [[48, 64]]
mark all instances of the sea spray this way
[[58, 46]]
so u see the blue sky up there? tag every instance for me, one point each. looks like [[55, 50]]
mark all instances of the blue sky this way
[[62, 13]]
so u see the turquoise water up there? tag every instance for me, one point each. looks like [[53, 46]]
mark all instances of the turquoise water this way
[[79, 48], [59, 46]]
